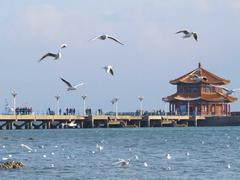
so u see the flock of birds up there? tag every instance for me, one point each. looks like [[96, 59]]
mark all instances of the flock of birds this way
[[99, 148], [133, 159], [108, 68], [56, 56], [126, 162]]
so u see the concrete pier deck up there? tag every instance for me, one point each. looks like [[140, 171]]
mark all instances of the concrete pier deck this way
[[93, 121]]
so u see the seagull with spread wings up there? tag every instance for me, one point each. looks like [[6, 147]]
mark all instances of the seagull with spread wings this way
[[104, 37], [109, 69], [188, 34], [70, 87], [228, 91], [55, 56]]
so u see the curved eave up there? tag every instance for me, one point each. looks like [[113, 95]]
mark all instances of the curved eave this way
[[220, 83], [219, 97]]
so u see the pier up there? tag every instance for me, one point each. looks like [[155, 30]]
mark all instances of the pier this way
[[8, 122]]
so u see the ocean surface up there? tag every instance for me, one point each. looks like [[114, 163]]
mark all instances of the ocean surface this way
[[194, 153]]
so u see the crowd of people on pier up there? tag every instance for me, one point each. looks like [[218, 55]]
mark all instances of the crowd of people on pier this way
[[88, 111], [23, 110], [68, 111]]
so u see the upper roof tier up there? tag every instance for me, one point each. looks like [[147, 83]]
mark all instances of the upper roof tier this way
[[211, 78]]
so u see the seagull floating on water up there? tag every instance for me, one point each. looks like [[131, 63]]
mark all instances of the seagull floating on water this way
[[104, 37], [99, 147], [55, 56], [198, 78], [109, 69], [70, 87], [26, 146], [168, 156], [188, 34], [123, 162]]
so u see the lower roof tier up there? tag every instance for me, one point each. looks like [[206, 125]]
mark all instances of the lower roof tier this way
[[213, 97]]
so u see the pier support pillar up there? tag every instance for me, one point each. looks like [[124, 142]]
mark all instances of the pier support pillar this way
[[149, 122], [48, 124], [30, 125], [195, 121], [92, 122], [9, 125], [25, 125], [43, 125], [195, 118]]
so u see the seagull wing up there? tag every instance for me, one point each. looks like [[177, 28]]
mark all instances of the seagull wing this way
[[46, 55], [111, 71], [94, 38], [225, 89], [76, 86], [234, 90], [183, 31], [195, 36], [68, 83], [114, 39]]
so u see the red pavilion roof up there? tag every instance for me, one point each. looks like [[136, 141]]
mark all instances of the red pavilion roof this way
[[211, 78]]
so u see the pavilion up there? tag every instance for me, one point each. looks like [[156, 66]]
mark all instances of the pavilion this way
[[200, 97]]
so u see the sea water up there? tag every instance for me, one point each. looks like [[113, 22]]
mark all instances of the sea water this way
[[170, 153]]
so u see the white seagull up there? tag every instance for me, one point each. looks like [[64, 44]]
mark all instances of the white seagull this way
[[72, 124], [55, 56], [198, 78], [168, 156], [188, 34], [123, 162], [109, 69], [70, 87], [104, 37], [26, 146], [99, 147], [228, 91]]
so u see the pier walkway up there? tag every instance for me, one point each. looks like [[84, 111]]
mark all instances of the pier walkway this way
[[93, 121]]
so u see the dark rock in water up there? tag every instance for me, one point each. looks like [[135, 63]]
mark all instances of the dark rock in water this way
[[31, 138], [11, 165]]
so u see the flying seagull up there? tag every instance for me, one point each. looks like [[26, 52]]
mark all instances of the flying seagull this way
[[188, 34], [70, 87], [228, 91], [104, 37], [109, 69], [55, 56], [198, 78]]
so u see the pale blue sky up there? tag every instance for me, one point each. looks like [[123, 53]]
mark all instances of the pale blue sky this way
[[152, 56]]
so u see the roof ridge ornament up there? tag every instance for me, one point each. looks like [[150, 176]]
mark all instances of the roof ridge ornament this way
[[199, 65]]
